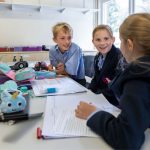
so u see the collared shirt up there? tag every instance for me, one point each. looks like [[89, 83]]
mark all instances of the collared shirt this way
[[72, 58], [101, 60]]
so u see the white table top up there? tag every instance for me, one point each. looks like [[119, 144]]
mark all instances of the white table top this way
[[22, 135]]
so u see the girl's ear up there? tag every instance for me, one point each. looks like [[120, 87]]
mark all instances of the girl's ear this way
[[130, 44], [113, 39]]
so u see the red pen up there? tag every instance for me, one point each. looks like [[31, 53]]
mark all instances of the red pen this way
[[39, 133]]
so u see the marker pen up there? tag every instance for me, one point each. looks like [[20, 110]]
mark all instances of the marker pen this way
[[39, 133]]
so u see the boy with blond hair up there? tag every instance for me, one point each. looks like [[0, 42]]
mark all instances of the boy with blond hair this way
[[66, 56]]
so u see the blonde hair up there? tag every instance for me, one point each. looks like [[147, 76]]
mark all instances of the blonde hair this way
[[103, 27], [62, 26], [137, 28]]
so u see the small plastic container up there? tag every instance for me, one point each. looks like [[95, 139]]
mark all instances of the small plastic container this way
[[24, 90], [51, 90]]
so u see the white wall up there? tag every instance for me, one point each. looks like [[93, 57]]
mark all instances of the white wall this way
[[22, 28]]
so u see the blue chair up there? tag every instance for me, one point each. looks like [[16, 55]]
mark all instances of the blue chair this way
[[89, 65]]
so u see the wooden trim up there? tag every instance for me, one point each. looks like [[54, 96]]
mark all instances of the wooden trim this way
[[27, 56]]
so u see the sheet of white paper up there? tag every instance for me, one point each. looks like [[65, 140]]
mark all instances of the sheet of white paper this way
[[64, 85], [67, 124]]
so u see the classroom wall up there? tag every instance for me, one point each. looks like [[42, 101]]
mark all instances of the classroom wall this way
[[32, 28]]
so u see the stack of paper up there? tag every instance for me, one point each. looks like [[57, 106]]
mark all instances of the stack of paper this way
[[60, 120], [59, 123]]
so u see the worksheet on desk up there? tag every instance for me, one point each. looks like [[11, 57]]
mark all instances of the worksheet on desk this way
[[63, 85], [60, 120]]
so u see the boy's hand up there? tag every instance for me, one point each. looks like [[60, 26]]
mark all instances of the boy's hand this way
[[60, 68], [50, 67]]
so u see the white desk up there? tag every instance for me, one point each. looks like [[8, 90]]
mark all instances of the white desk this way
[[23, 135]]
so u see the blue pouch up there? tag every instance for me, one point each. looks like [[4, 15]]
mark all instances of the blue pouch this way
[[45, 74], [12, 101], [25, 74], [9, 85]]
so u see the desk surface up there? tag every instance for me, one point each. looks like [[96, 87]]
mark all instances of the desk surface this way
[[22, 135]]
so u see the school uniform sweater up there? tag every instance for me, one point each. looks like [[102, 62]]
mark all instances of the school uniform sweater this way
[[108, 70], [132, 87]]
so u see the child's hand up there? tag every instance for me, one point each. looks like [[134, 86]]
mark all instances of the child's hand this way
[[60, 68], [106, 80], [50, 67], [84, 110]]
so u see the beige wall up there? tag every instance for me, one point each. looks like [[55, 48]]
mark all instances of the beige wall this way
[[27, 56]]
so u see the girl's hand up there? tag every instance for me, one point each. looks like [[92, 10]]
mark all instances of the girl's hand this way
[[84, 110]]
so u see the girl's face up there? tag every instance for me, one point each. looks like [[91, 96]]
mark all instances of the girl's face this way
[[63, 40], [103, 41]]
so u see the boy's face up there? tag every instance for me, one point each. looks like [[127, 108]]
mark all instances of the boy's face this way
[[63, 40], [103, 41]]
